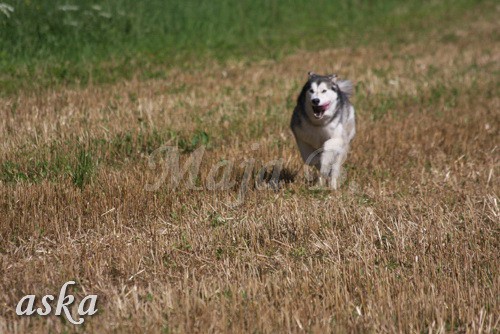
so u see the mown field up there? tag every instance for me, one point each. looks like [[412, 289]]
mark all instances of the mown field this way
[[409, 244]]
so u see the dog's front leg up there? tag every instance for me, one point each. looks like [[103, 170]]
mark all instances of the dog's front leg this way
[[331, 160]]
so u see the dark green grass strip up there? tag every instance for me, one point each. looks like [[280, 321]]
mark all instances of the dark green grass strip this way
[[45, 43]]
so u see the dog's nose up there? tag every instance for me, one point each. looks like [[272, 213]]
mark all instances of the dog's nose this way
[[315, 101]]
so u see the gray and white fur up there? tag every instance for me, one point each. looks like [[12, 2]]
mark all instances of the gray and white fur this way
[[323, 124]]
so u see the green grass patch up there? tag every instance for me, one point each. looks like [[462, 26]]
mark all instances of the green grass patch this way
[[46, 43], [58, 159]]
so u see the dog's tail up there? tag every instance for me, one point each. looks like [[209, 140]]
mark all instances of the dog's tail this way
[[346, 87]]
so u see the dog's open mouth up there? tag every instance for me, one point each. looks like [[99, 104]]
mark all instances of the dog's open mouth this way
[[319, 111]]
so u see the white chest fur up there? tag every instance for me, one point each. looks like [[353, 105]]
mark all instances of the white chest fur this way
[[316, 136]]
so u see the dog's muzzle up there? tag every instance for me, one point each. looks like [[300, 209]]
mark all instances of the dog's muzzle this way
[[319, 111]]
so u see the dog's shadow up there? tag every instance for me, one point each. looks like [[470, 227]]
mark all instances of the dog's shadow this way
[[286, 176]]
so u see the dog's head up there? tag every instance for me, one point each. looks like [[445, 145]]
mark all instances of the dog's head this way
[[323, 93]]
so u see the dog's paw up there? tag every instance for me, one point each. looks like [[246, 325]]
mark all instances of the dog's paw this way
[[334, 184], [322, 181]]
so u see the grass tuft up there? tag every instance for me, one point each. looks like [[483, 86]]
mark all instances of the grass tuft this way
[[84, 168]]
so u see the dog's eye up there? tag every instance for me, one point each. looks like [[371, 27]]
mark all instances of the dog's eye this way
[[323, 91], [311, 91]]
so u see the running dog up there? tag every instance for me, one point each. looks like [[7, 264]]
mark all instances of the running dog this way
[[323, 123]]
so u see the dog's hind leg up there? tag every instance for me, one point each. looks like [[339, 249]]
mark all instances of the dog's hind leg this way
[[311, 157], [309, 154]]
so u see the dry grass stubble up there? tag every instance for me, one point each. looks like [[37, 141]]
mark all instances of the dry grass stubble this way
[[409, 243]]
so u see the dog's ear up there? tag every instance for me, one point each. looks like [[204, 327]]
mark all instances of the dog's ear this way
[[311, 74], [346, 87], [333, 78]]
